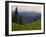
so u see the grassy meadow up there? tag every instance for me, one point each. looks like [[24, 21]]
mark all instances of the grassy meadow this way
[[35, 25]]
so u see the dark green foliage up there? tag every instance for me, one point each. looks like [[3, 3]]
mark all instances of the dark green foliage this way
[[15, 17], [35, 19], [20, 21]]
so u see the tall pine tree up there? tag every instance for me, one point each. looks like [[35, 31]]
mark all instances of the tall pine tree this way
[[16, 15]]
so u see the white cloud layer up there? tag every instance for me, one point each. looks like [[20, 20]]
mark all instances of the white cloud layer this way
[[26, 7]]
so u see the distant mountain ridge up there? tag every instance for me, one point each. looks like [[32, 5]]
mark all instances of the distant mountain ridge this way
[[29, 13], [29, 16]]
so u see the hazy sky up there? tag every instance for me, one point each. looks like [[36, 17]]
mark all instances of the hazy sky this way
[[26, 8]]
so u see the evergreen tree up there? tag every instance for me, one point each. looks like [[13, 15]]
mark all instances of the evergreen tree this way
[[35, 19], [20, 21], [16, 15]]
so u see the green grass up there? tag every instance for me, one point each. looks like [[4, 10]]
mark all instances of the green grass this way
[[35, 25]]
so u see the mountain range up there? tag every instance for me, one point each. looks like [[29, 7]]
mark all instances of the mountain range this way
[[29, 16]]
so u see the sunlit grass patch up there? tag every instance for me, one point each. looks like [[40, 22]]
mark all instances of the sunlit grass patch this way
[[35, 25]]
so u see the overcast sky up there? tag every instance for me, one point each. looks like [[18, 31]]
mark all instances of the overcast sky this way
[[26, 8]]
